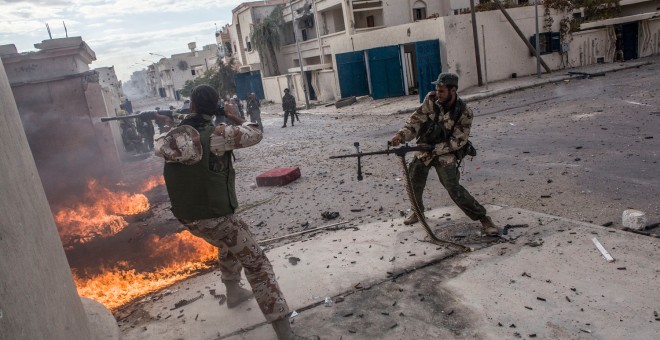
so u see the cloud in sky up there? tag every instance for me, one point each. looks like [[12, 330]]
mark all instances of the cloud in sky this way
[[121, 32]]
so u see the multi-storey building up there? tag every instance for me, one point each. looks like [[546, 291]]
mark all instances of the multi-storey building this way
[[338, 48]]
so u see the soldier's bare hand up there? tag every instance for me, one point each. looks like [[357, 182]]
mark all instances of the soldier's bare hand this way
[[396, 140]]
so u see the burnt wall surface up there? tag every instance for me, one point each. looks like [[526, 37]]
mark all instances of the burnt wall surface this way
[[67, 145]]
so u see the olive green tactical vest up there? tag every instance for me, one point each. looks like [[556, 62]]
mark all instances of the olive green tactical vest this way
[[433, 130], [198, 193]]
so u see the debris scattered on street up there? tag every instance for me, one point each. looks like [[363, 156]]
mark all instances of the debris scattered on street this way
[[182, 303], [294, 260], [602, 250], [329, 215]]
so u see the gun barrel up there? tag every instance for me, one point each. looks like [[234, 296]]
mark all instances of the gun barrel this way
[[143, 115], [397, 151]]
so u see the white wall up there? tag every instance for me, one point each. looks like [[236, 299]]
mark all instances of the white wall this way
[[506, 53], [402, 34], [587, 46], [649, 40], [326, 86]]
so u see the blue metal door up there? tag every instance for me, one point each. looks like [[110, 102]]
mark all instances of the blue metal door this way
[[249, 82], [352, 74], [428, 65], [386, 72]]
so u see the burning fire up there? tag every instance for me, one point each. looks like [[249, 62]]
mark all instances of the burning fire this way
[[173, 257], [101, 213], [115, 287]]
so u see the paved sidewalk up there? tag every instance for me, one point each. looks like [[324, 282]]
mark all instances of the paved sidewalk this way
[[385, 283]]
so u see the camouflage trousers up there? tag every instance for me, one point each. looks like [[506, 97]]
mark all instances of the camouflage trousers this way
[[449, 176], [237, 249], [293, 115]]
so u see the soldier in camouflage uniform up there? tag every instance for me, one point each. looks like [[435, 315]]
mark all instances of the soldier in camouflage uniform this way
[[443, 120], [199, 176], [289, 107]]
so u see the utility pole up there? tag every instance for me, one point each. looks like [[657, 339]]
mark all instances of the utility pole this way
[[538, 55], [483, 33], [475, 35], [300, 60]]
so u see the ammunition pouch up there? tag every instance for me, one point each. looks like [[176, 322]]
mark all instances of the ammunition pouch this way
[[431, 133], [467, 150]]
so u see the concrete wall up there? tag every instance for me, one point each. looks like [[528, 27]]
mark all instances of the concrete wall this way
[[402, 34], [63, 57], [331, 21], [38, 295], [274, 87], [326, 85], [68, 141], [649, 40], [506, 53], [587, 46]]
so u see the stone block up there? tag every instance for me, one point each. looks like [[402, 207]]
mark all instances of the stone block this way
[[634, 219]]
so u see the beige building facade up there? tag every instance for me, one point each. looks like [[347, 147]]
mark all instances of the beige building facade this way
[[315, 32]]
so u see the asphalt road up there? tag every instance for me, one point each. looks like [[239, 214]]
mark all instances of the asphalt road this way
[[584, 149]]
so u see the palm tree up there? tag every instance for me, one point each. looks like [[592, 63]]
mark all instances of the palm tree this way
[[265, 37]]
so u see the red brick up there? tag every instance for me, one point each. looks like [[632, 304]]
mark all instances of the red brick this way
[[278, 177]]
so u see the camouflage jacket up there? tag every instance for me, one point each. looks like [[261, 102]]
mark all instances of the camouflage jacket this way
[[182, 144], [460, 131], [288, 102]]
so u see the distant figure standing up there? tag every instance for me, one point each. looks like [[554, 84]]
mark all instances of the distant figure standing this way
[[289, 107], [128, 106], [254, 109], [238, 103]]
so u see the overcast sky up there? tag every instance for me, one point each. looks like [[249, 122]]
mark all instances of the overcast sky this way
[[120, 32]]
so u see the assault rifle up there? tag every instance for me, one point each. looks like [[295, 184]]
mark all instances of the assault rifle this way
[[400, 151], [144, 115]]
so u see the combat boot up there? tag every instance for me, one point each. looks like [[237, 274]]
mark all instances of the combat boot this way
[[283, 330], [412, 219], [236, 294], [488, 227]]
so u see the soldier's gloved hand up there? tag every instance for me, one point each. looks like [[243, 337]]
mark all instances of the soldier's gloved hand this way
[[396, 140]]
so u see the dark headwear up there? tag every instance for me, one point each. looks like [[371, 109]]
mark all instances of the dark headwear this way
[[286, 90], [205, 98], [446, 79]]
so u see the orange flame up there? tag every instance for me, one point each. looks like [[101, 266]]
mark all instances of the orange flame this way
[[101, 214], [117, 286]]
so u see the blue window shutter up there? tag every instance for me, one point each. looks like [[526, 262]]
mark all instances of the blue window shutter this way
[[555, 41]]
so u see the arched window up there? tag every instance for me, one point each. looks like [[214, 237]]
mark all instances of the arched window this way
[[419, 10]]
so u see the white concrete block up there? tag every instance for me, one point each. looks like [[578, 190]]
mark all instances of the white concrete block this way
[[634, 219]]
